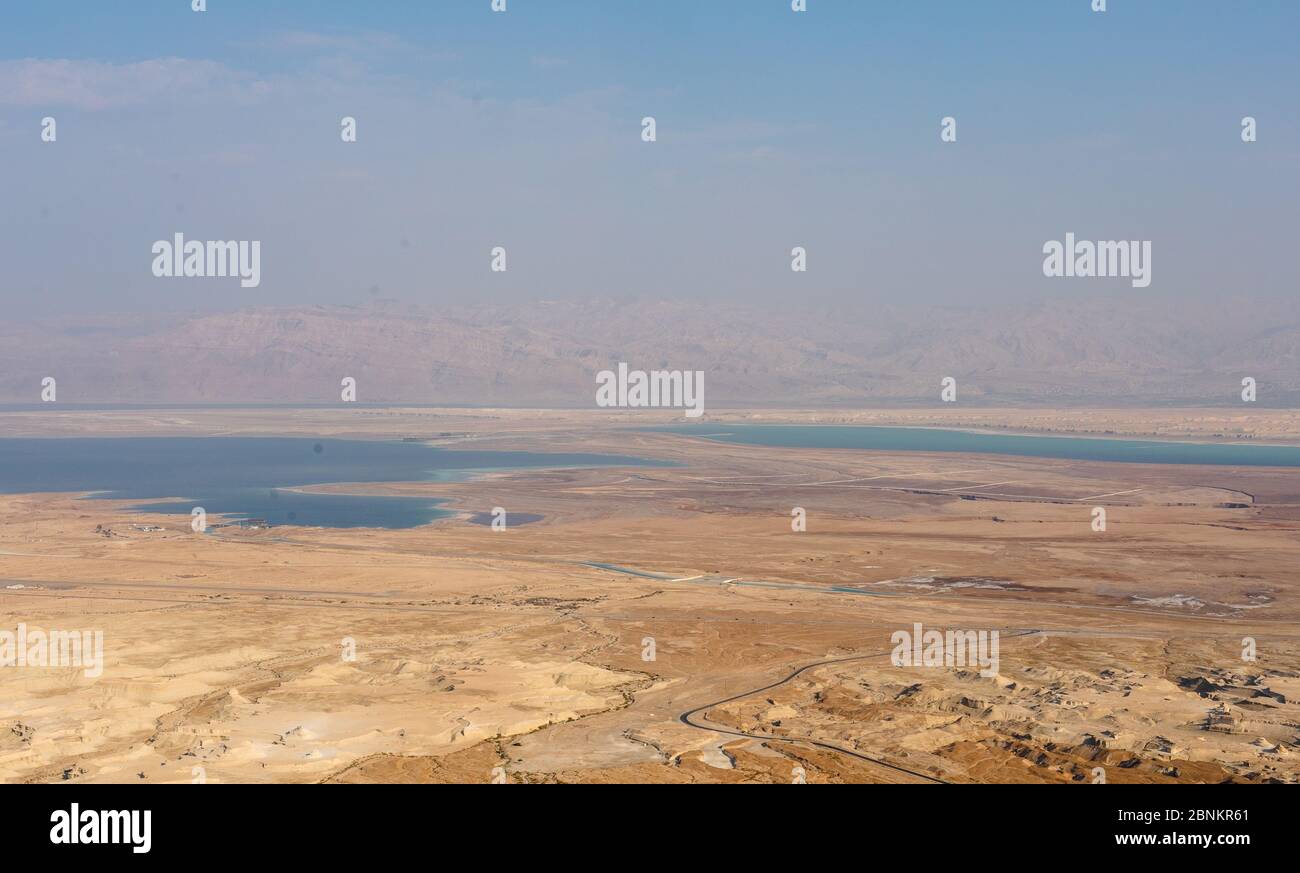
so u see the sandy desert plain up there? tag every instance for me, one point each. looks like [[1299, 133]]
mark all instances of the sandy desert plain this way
[[487, 655]]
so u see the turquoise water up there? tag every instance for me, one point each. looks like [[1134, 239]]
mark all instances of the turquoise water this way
[[918, 439], [255, 477]]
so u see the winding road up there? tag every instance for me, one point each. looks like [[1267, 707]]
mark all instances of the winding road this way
[[686, 717]]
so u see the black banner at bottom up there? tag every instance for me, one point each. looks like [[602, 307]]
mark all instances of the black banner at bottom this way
[[315, 822]]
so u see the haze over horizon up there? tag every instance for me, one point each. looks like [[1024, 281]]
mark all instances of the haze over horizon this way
[[1101, 351], [523, 130]]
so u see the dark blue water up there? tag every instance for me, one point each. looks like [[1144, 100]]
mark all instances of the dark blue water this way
[[917, 439], [251, 477]]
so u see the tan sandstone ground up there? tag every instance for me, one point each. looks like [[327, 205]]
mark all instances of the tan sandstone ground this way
[[484, 655]]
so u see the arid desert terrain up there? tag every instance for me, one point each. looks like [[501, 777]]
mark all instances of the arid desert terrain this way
[[668, 623]]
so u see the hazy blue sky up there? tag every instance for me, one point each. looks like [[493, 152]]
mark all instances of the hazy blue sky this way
[[522, 129]]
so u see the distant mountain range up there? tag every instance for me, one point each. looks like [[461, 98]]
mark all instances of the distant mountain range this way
[[1065, 352]]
